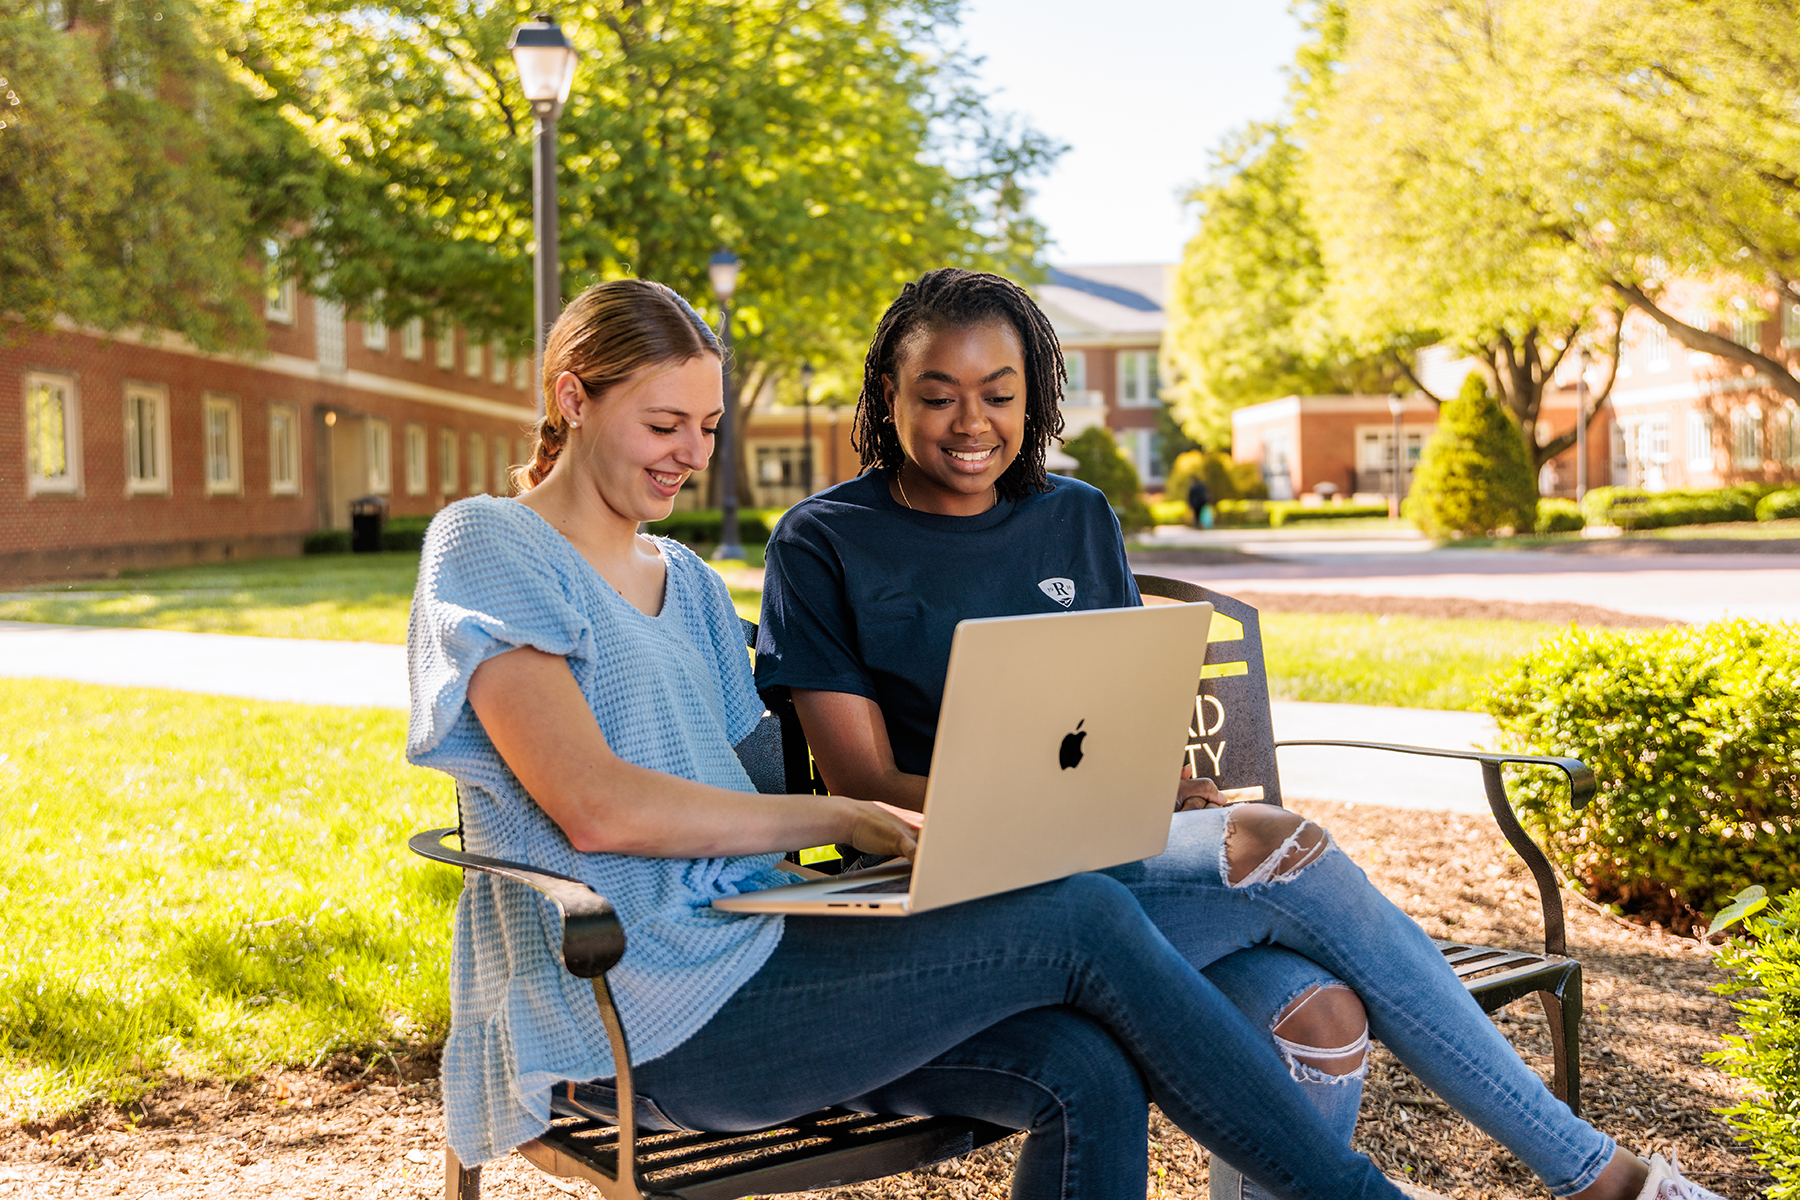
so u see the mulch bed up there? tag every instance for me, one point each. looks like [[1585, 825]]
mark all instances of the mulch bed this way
[[341, 1131]]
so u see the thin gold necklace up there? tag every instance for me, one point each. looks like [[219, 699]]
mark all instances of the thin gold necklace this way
[[901, 484]]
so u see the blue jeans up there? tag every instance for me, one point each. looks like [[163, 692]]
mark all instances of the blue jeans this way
[[1330, 913], [879, 1012]]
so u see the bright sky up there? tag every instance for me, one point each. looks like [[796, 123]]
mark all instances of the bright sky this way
[[1140, 90]]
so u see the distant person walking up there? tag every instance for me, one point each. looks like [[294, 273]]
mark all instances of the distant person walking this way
[[1200, 500]]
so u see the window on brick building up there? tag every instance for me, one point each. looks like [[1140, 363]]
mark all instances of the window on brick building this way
[[522, 374], [447, 461], [223, 445], [378, 444], [328, 331], [1656, 348], [477, 463], [497, 353], [284, 450], [1747, 436], [472, 358], [415, 460], [52, 434], [1790, 326], [1784, 444], [502, 469], [280, 296], [1700, 440], [1075, 362], [146, 439], [446, 349], [1139, 386], [412, 339], [375, 332], [1746, 329]]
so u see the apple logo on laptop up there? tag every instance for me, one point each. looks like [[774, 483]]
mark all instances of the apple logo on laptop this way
[[1070, 753]]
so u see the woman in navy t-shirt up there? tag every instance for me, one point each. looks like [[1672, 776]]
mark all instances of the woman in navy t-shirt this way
[[955, 517]]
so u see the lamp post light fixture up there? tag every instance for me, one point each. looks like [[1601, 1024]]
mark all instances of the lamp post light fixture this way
[[723, 271], [1396, 406], [546, 63], [806, 458]]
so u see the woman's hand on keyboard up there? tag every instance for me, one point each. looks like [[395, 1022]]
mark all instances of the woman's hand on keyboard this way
[[878, 828]]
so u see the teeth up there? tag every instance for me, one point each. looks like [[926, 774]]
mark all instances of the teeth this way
[[969, 455], [666, 480]]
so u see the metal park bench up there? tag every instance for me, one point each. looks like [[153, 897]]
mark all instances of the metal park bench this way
[[1231, 740]]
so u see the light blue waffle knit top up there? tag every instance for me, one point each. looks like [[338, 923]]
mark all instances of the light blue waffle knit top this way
[[672, 693]]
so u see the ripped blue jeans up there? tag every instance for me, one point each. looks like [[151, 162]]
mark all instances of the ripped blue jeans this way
[[1231, 914]]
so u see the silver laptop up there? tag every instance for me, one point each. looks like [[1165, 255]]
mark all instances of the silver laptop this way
[[1058, 750]]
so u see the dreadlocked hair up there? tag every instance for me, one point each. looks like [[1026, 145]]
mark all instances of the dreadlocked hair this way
[[606, 335], [956, 299]]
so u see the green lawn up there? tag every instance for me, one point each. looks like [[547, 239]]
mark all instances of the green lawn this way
[[1410, 662], [208, 885], [337, 597]]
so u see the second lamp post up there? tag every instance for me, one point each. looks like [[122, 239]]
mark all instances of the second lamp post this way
[[546, 62], [723, 270]]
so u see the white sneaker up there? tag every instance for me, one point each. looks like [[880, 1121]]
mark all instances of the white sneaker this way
[[1666, 1182], [1414, 1192]]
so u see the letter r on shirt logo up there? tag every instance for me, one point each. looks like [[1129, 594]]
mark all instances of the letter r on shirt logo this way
[[1060, 590]]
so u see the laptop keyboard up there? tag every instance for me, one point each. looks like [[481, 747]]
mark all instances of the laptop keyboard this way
[[899, 885]]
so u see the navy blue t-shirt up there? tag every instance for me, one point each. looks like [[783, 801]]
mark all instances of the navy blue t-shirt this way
[[862, 595]]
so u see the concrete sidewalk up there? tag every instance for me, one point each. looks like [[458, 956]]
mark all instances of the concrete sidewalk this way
[[365, 674]]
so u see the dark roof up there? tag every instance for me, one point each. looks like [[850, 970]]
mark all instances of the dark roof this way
[[1106, 291]]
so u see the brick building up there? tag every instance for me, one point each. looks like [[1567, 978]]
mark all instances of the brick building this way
[[1675, 419], [136, 450]]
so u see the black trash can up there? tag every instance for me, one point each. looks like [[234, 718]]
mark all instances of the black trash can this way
[[367, 515]]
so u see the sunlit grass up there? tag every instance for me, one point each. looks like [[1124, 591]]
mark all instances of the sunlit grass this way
[[359, 598], [207, 886], [1409, 662]]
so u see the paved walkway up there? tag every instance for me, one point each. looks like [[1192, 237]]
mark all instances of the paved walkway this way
[[1681, 587], [365, 674]]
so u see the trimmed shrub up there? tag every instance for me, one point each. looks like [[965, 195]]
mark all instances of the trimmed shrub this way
[[1100, 463], [1690, 732], [1216, 467], [1241, 514], [706, 526], [1475, 476], [1764, 981], [1292, 512], [404, 533], [1247, 478], [327, 541], [1779, 506], [1555, 515], [1634, 508], [1170, 512]]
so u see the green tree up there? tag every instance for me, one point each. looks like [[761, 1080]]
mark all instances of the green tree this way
[[138, 177], [1423, 173], [1250, 317], [1100, 462], [1475, 476], [836, 146]]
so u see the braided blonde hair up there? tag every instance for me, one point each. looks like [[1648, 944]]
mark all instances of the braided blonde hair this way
[[605, 336]]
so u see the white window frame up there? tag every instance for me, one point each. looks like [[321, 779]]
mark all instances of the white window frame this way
[[417, 473], [522, 374], [1746, 329], [1138, 376], [1700, 440], [222, 444], [1075, 363], [447, 475], [477, 463], [284, 459], [412, 339], [446, 349], [1656, 348], [472, 358], [280, 296], [153, 399], [329, 335], [1747, 437], [67, 482], [497, 355], [375, 334], [378, 452]]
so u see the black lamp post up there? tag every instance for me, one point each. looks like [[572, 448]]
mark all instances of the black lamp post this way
[[1581, 424], [1396, 406], [723, 270], [806, 459], [546, 62]]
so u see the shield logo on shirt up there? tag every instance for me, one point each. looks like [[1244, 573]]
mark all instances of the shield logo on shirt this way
[[1060, 590]]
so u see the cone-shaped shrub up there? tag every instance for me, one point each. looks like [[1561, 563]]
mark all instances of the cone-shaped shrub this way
[[1475, 477]]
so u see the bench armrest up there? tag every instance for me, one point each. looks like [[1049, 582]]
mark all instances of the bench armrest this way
[[1582, 788], [593, 939]]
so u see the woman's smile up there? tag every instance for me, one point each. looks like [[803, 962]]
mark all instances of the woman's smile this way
[[958, 402]]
